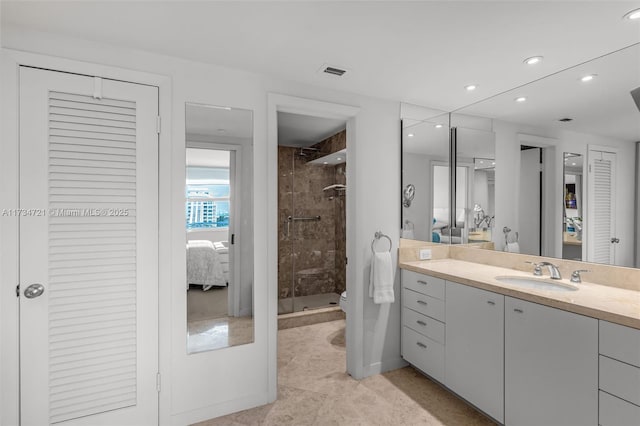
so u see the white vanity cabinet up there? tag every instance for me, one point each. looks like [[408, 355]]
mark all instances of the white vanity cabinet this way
[[423, 328], [551, 366], [619, 375], [474, 351]]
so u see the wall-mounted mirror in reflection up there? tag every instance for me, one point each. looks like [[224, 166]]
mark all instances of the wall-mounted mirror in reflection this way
[[218, 221], [572, 207], [565, 177]]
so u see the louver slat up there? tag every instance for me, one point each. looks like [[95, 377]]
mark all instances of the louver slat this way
[[92, 255], [602, 211]]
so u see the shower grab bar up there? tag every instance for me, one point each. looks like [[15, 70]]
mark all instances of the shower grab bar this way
[[296, 219], [377, 236], [291, 218]]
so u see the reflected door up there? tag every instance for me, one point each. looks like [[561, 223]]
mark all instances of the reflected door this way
[[601, 204]]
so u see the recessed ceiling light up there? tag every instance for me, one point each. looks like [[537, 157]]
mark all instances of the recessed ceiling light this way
[[573, 164], [338, 158], [493, 163], [633, 15], [471, 87], [438, 126], [533, 60], [587, 78], [481, 162], [326, 162], [410, 135], [520, 99]]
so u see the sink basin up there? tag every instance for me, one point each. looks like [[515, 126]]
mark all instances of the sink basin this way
[[537, 283]]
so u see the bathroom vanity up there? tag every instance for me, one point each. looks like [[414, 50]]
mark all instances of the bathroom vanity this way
[[523, 354]]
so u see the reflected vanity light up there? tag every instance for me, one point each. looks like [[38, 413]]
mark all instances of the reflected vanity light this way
[[470, 87], [587, 78], [533, 60], [632, 15]]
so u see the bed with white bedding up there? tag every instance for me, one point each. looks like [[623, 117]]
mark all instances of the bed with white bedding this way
[[204, 265]]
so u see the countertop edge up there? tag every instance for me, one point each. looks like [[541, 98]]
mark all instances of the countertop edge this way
[[596, 313]]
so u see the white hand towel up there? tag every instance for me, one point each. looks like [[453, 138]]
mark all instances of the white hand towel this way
[[512, 247], [381, 278]]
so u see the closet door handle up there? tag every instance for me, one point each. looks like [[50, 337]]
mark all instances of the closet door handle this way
[[422, 323]]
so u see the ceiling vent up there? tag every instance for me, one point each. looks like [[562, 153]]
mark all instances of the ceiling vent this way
[[331, 70], [565, 120]]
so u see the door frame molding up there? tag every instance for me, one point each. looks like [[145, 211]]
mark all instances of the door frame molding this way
[[10, 62]]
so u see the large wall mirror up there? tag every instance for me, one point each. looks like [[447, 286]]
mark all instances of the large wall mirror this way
[[218, 224], [563, 182]]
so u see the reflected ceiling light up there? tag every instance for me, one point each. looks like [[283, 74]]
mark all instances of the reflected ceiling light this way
[[338, 158], [633, 15], [493, 163], [587, 78], [573, 164], [520, 99], [470, 87], [410, 135], [326, 162], [533, 60], [438, 126]]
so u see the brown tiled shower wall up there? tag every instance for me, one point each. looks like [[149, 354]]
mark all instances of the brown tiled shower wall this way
[[312, 253]]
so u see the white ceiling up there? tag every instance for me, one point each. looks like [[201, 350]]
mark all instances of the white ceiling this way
[[305, 130], [207, 158], [422, 52], [218, 123]]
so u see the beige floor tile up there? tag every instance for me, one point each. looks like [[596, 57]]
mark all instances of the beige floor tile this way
[[314, 389]]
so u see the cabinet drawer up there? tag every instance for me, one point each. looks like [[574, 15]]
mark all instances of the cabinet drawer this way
[[424, 353], [620, 379], [616, 412], [424, 284], [424, 325], [620, 342], [427, 305]]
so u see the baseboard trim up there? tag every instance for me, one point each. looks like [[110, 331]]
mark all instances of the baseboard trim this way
[[384, 366]]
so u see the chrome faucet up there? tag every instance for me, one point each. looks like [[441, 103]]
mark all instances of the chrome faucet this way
[[554, 272], [575, 276]]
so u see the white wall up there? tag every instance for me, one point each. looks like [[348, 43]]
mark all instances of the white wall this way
[[374, 179]]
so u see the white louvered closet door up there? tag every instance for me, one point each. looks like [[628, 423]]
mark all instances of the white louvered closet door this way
[[88, 235], [601, 202]]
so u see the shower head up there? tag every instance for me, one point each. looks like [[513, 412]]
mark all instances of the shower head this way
[[306, 151]]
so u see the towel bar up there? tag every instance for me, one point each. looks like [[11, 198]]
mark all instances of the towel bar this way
[[377, 236]]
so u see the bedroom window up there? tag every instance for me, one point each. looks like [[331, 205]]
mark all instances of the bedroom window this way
[[207, 198]]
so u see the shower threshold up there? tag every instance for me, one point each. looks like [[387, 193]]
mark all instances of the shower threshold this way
[[306, 303]]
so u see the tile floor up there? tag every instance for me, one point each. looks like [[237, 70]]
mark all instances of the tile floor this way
[[313, 389]]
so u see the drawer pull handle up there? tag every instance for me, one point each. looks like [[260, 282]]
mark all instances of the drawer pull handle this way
[[422, 323], [491, 302], [422, 302], [422, 282], [518, 310], [422, 345]]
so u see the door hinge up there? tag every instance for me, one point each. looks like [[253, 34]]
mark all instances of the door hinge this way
[[233, 239], [346, 260], [158, 124], [18, 290], [158, 382]]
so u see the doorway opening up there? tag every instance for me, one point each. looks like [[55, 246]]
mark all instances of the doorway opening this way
[[312, 191], [531, 200]]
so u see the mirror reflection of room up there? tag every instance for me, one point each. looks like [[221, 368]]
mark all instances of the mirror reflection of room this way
[[572, 226], [219, 303]]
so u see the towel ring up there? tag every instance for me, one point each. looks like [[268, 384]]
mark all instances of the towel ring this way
[[379, 235]]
